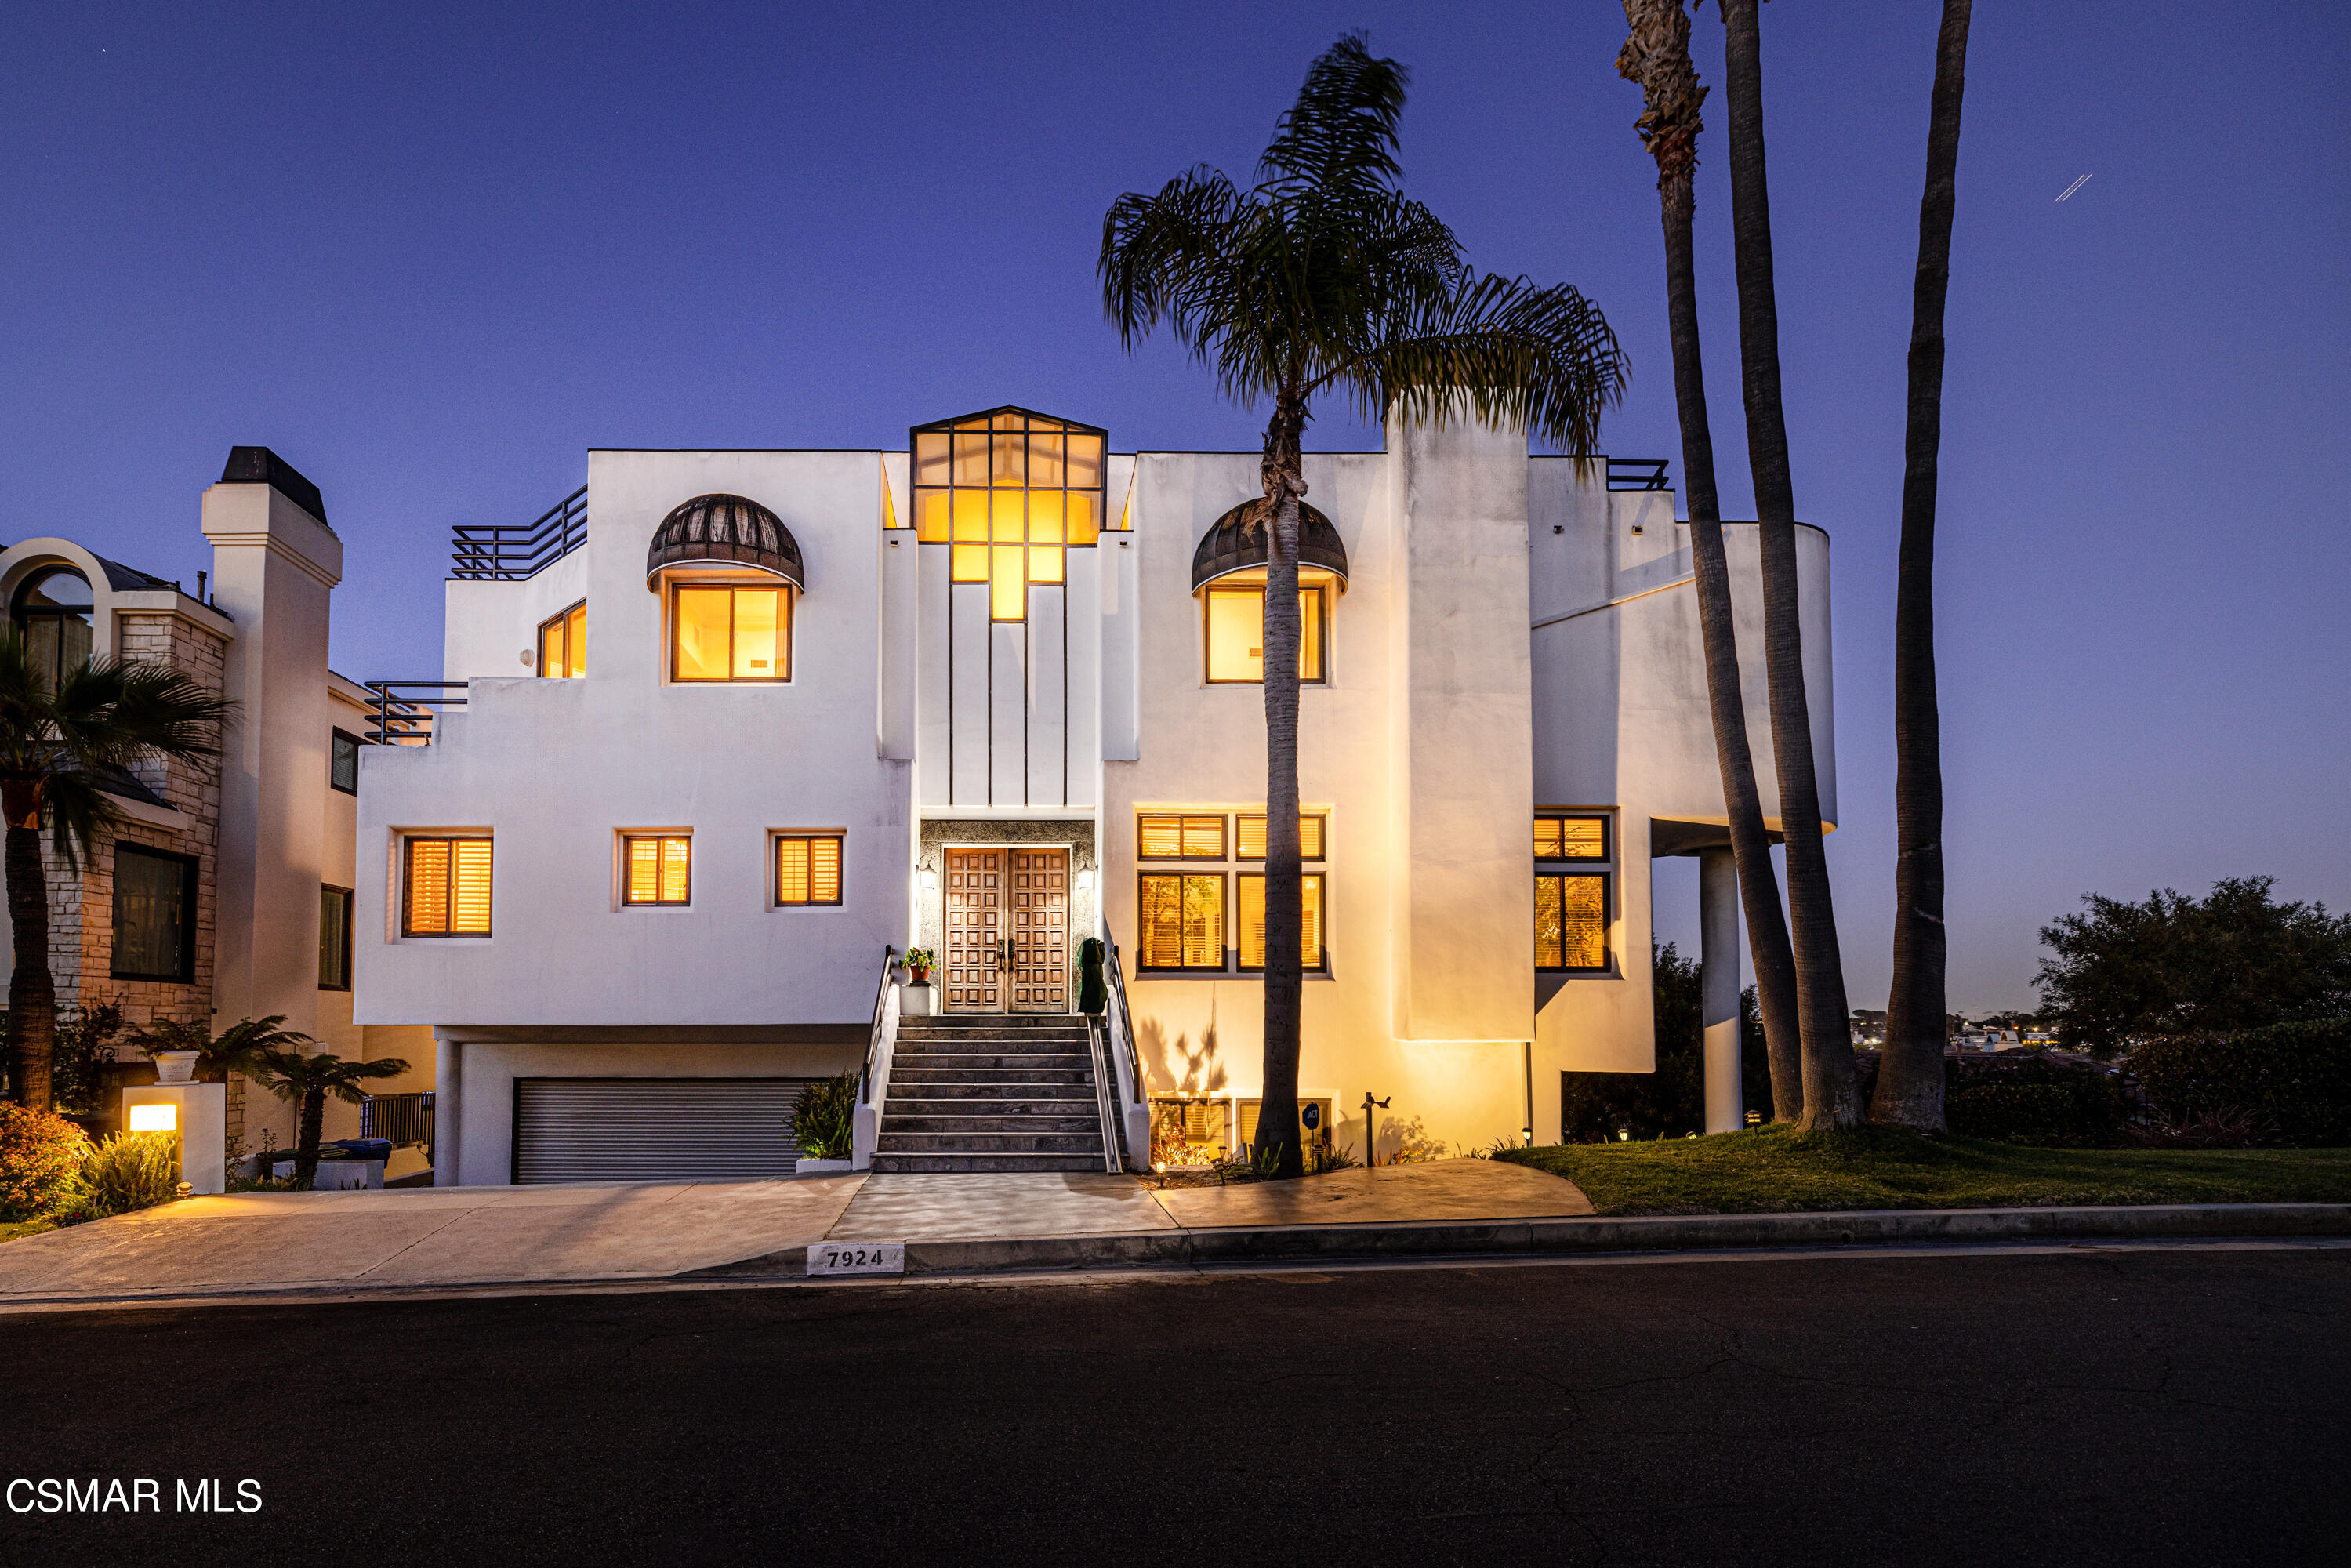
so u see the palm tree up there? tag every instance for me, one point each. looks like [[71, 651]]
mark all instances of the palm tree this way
[[1910, 1079], [1657, 54], [1324, 278], [308, 1079], [234, 1050], [1829, 1096], [60, 742]]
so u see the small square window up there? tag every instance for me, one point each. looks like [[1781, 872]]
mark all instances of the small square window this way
[[808, 869], [656, 869], [446, 888], [1565, 837], [343, 763]]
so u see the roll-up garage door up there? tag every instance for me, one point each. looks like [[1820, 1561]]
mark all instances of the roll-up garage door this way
[[653, 1129]]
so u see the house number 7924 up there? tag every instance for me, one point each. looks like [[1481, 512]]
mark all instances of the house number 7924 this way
[[829, 1258]]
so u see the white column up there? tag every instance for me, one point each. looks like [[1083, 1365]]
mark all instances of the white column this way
[[448, 1107], [1717, 914]]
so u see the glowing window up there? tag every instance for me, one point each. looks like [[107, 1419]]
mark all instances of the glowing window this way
[[1172, 836], [1181, 922], [447, 888], [1252, 837], [807, 868], [1570, 838], [730, 633], [1235, 629], [563, 644], [1249, 890], [658, 868], [1009, 493], [1572, 921]]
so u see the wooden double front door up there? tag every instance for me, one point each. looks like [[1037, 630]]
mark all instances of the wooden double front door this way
[[1007, 931]]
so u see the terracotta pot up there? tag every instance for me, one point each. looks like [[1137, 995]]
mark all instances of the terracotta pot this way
[[922, 975]]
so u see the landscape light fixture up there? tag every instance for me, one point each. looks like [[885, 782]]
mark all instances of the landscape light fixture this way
[[163, 1117]]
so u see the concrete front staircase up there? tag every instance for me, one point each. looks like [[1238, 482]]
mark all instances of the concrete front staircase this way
[[991, 1092]]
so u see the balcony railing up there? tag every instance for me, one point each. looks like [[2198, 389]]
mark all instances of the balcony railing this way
[[1636, 473], [503, 552], [403, 712]]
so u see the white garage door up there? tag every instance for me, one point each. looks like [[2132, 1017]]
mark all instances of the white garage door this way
[[653, 1129]]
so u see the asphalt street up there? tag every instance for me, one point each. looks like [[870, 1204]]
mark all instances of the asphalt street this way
[[2146, 1406]]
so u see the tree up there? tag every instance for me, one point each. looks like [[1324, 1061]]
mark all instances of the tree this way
[[1324, 278], [308, 1079], [1829, 1096], [60, 746], [1910, 1079], [236, 1049], [2173, 964], [1657, 54]]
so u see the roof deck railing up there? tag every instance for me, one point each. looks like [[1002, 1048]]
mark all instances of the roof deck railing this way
[[403, 712], [506, 552], [1636, 473]]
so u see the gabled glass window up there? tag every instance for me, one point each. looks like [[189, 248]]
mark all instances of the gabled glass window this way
[[1009, 492]]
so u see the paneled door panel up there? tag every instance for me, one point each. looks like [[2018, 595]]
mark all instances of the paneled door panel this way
[[976, 928], [1039, 931]]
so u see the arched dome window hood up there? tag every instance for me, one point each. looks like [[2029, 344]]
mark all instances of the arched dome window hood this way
[[730, 531], [1232, 545]]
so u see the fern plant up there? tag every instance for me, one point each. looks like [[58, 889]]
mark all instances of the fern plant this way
[[824, 1121]]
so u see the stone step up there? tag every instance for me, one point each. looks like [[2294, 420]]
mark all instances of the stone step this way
[[986, 1060], [989, 1144], [1010, 1121], [1011, 1040], [968, 1164], [1077, 1088], [1010, 1075]]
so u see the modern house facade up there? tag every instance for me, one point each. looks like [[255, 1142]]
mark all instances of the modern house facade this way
[[225, 891], [728, 728]]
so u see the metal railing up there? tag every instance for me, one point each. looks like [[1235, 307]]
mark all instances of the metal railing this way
[[403, 713], [1636, 473], [405, 1118], [506, 552], [1118, 1025], [874, 1079]]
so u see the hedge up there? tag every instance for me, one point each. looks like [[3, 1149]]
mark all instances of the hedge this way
[[2294, 1077]]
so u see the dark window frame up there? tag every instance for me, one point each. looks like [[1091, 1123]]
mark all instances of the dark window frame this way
[[350, 904], [656, 901], [1224, 964], [1323, 618], [408, 843], [335, 754], [1607, 965], [1322, 965], [788, 618], [775, 899], [190, 867], [1608, 855]]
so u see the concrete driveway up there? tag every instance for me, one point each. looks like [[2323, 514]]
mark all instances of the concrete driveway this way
[[423, 1236]]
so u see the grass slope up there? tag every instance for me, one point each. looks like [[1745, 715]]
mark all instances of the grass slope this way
[[1771, 1170]]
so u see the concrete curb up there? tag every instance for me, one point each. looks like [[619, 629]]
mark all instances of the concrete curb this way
[[1523, 1238]]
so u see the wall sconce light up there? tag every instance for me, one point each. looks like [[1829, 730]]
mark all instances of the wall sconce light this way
[[1085, 882], [162, 1117], [930, 880]]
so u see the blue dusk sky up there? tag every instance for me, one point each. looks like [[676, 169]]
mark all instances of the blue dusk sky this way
[[432, 254]]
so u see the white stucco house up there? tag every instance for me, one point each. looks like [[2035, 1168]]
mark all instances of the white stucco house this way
[[728, 728]]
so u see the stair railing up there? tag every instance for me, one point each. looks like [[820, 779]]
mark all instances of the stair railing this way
[[1118, 1026], [874, 1082]]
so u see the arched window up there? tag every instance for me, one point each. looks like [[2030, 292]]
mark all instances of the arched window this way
[[1228, 576], [56, 615], [728, 569]]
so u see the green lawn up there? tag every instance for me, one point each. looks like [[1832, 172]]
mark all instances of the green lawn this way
[[11, 1228], [1771, 1170]]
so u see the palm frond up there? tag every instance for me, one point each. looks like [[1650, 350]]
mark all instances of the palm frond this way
[[79, 815], [1339, 139], [289, 1074], [111, 712]]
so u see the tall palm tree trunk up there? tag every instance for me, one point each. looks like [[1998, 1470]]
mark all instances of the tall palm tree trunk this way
[[1751, 845], [1826, 1028], [1657, 56], [1283, 470], [32, 991], [1910, 1083]]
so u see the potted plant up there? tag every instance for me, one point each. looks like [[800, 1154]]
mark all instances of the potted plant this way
[[918, 964], [190, 1052], [823, 1124]]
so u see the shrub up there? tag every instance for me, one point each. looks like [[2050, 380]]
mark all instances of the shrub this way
[[131, 1170], [1671, 1101], [2295, 1077], [825, 1119], [40, 1162], [82, 1054], [2020, 1097]]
